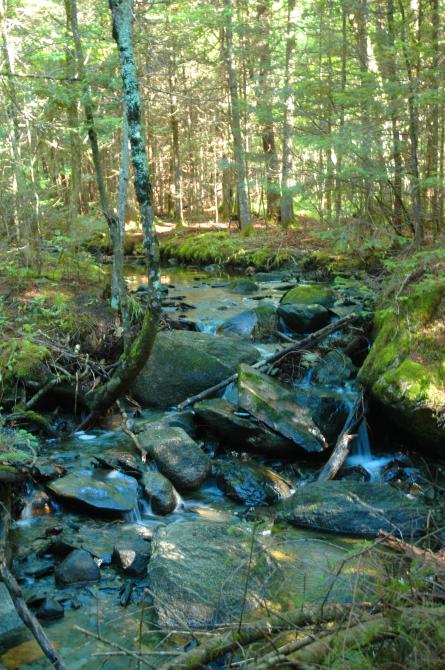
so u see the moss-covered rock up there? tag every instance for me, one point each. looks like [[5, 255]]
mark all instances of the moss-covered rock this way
[[243, 286], [21, 358], [309, 294], [405, 369]]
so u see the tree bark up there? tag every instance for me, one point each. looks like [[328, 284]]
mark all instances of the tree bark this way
[[286, 203], [235, 119]]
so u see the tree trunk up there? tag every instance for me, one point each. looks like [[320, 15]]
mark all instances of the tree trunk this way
[[235, 118], [286, 204]]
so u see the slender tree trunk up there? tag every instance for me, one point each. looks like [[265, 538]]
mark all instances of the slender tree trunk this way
[[286, 203], [434, 167], [235, 118], [413, 133], [339, 165]]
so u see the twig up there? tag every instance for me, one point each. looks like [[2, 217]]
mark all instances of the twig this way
[[144, 453], [20, 605], [344, 440], [414, 553], [308, 341], [115, 645]]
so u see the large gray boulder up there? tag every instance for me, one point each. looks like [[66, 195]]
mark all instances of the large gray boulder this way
[[353, 508], [304, 318], [184, 363], [274, 404], [240, 433], [178, 457], [107, 491], [198, 569]]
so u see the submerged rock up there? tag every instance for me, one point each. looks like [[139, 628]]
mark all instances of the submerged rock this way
[[104, 491], [354, 508], [243, 286], [260, 323], [241, 433], [178, 457], [304, 318], [49, 610], [160, 492], [184, 363], [274, 404], [9, 619], [250, 483], [334, 369], [77, 568], [198, 570]]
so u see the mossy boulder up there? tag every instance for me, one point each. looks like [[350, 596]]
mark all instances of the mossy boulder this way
[[21, 358], [184, 363], [260, 323], [405, 369], [309, 294], [243, 286]]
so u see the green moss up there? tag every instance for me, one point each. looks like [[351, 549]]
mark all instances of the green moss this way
[[20, 358], [308, 294]]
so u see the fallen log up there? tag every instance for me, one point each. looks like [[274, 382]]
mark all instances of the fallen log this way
[[16, 594], [307, 342], [426, 556], [343, 444], [222, 644]]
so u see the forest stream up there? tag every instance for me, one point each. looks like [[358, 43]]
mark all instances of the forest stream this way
[[198, 573]]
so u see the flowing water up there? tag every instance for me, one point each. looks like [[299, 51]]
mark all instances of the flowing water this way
[[204, 298]]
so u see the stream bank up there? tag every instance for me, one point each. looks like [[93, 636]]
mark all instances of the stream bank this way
[[190, 566]]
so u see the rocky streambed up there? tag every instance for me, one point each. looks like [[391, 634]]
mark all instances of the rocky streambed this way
[[226, 516]]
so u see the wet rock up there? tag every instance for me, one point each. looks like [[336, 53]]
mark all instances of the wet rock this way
[[178, 457], [250, 483], [49, 610], [240, 433], [274, 404], [160, 492], [309, 294], [184, 363], [44, 470], [39, 504], [9, 619], [122, 461], [198, 573], [243, 286], [328, 407], [353, 508], [354, 473], [260, 323], [304, 318], [184, 420], [334, 369], [131, 556], [103, 491], [77, 568]]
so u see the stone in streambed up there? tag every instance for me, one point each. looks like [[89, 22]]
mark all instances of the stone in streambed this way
[[185, 363], [177, 456], [260, 323], [103, 491], [131, 556], [274, 404], [198, 571], [240, 433], [160, 492], [304, 318], [49, 610], [353, 508], [309, 294], [250, 483], [77, 568], [243, 286]]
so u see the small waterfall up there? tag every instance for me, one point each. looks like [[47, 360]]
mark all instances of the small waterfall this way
[[231, 393], [362, 455], [134, 516]]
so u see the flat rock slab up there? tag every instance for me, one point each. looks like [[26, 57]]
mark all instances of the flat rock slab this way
[[178, 457], [9, 619], [106, 491], [354, 508], [197, 573], [274, 404]]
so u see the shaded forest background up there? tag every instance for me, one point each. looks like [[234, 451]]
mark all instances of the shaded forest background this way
[[330, 110]]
